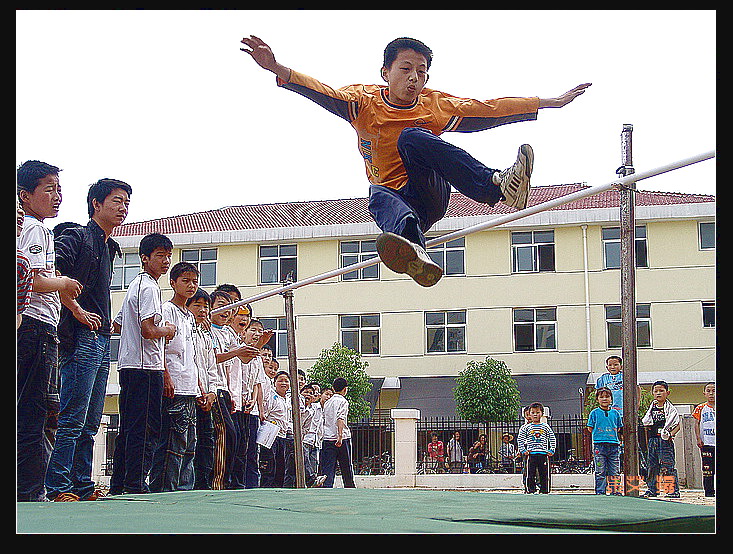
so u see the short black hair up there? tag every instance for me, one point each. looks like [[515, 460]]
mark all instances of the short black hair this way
[[102, 189], [604, 390], [661, 383], [31, 172], [230, 290], [339, 384], [152, 241], [220, 294], [198, 295], [406, 43], [536, 405], [182, 267]]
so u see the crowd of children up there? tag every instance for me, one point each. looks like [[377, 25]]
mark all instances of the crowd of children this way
[[195, 388], [211, 384]]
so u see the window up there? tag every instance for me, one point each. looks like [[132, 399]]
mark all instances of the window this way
[[535, 329], [124, 270], [277, 262], [643, 326], [450, 256], [533, 251], [446, 331], [205, 260], [708, 314], [611, 237], [279, 341], [707, 235], [356, 251], [360, 332]]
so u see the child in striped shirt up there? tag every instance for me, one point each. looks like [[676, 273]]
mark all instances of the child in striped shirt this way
[[536, 442]]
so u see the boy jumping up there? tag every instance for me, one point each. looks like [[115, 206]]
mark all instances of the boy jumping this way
[[410, 169]]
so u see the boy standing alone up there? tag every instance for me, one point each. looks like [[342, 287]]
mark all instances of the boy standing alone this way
[[536, 442], [336, 446]]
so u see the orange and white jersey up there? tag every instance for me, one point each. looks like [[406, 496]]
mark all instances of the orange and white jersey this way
[[379, 122]]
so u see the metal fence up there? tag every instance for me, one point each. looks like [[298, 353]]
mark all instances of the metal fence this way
[[372, 443]]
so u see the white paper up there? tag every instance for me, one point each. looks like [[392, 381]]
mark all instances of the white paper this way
[[266, 434]]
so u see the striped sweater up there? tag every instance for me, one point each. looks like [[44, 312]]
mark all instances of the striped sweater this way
[[536, 438]]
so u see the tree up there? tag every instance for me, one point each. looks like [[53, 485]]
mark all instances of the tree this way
[[485, 391], [339, 361]]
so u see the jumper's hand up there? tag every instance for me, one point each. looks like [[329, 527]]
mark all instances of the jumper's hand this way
[[565, 98], [262, 54]]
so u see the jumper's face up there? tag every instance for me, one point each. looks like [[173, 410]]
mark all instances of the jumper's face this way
[[406, 77]]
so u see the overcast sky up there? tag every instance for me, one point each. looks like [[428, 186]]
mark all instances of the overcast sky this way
[[166, 101]]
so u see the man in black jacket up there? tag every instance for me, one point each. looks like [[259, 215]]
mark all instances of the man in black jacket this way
[[85, 253]]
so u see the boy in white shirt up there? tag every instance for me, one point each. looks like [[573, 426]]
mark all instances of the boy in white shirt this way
[[173, 459], [229, 399], [39, 194], [336, 446], [312, 431], [204, 356], [253, 380], [280, 413], [140, 364]]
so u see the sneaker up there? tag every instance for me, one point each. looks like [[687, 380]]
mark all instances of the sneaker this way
[[96, 495], [673, 495], [649, 494], [66, 497], [319, 481], [514, 181], [402, 256]]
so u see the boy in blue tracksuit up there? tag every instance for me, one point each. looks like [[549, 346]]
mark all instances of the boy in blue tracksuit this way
[[605, 425]]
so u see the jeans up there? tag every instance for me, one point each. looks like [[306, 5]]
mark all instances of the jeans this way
[[607, 461], [660, 458], [37, 354], [84, 372], [341, 455], [203, 461], [141, 397], [240, 450], [432, 165], [172, 468], [282, 450], [225, 440], [310, 459], [252, 462]]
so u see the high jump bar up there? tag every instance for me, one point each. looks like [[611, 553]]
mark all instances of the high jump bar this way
[[495, 222]]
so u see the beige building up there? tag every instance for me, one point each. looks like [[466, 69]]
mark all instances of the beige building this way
[[541, 293]]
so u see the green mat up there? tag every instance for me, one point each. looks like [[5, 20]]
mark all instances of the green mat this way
[[363, 511]]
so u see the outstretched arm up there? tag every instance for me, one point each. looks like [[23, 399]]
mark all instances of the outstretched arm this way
[[564, 99], [262, 54]]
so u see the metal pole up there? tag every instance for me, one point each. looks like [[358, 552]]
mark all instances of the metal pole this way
[[294, 393], [628, 317], [495, 222]]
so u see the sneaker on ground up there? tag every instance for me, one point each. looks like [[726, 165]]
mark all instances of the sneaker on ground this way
[[402, 256], [66, 497], [319, 481], [514, 181]]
